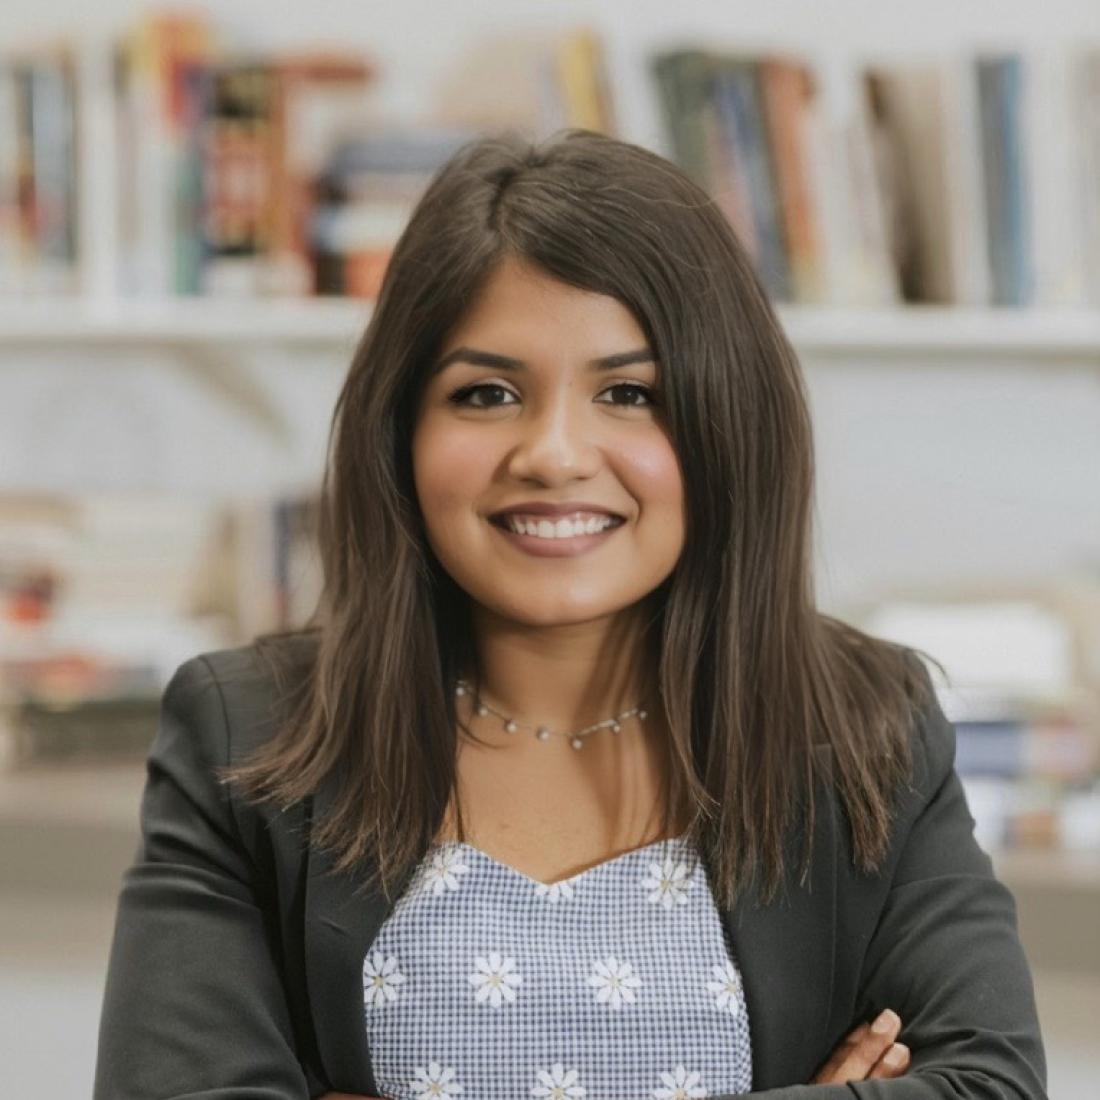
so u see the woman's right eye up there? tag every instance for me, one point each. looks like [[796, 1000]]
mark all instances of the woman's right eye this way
[[462, 396]]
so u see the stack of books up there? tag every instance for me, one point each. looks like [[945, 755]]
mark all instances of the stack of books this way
[[102, 597], [1027, 724], [249, 175], [968, 180], [218, 153]]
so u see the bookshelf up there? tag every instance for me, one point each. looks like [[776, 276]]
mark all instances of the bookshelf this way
[[101, 317], [334, 324], [906, 340]]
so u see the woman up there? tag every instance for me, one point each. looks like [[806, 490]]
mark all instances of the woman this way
[[568, 790]]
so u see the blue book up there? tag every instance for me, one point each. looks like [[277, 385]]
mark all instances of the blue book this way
[[991, 748], [738, 102], [1008, 220]]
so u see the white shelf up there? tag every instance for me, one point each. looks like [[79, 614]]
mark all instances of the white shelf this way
[[910, 330], [85, 795], [1044, 332], [1053, 869], [72, 321]]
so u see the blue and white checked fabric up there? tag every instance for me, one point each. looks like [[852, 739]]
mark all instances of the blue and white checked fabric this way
[[617, 983]]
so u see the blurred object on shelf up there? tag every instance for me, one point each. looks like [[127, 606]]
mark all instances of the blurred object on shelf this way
[[1025, 706], [365, 194], [32, 538], [81, 671], [138, 583], [219, 150], [248, 175], [795, 178], [38, 173], [267, 564], [532, 81], [965, 180], [1080, 821], [64, 696]]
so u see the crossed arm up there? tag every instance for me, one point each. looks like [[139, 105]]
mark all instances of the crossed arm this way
[[865, 1054]]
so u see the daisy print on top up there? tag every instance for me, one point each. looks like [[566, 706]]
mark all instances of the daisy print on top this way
[[617, 981]]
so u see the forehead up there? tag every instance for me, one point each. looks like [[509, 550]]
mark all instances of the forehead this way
[[521, 311]]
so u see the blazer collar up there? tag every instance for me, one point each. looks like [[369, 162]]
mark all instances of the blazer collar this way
[[784, 950]]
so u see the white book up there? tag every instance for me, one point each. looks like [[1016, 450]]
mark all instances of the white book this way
[[1014, 647], [844, 189], [147, 179], [10, 243], [1086, 96], [1054, 174], [965, 198]]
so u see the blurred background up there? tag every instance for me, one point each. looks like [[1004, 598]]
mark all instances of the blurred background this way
[[196, 209]]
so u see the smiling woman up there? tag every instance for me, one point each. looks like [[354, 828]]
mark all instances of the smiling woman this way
[[568, 789], [562, 417]]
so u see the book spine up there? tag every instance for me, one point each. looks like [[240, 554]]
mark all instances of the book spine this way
[[739, 94], [11, 222], [993, 177], [191, 252], [1020, 289], [52, 101], [238, 163], [1087, 117], [787, 89], [685, 83], [966, 214]]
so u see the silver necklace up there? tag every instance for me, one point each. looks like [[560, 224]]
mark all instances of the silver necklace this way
[[543, 733]]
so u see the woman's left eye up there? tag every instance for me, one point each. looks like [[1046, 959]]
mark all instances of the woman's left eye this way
[[632, 386]]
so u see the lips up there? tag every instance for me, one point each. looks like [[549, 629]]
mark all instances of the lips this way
[[500, 519], [566, 509]]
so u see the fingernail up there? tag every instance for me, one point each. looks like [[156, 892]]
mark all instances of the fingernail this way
[[894, 1057], [884, 1022]]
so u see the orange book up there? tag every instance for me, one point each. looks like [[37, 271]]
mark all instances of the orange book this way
[[788, 90], [289, 267]]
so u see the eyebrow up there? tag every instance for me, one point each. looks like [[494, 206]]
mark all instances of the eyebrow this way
[[505, 362]]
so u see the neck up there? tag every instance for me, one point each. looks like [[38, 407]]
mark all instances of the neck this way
[[563, 677]]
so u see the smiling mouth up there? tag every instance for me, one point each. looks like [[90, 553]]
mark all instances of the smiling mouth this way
[[560, 529]]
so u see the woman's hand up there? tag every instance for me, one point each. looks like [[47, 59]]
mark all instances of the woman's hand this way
[[864, 1054], [867, 1053]]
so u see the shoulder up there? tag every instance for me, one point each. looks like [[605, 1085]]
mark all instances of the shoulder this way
[[930, 811], [245, 690], [932, 738]]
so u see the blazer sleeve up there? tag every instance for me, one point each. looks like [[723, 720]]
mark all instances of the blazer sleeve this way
[[193, 1004], [946, 956]]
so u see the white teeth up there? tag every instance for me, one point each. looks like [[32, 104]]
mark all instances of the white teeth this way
[[559, 529]]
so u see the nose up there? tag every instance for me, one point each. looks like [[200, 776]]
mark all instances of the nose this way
[[555, 443]]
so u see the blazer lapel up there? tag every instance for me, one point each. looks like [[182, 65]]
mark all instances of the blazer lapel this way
[[785, 952], [340, 926]]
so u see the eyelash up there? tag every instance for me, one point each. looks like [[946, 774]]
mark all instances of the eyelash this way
[[460, 395]]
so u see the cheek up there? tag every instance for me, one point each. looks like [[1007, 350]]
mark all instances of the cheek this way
[[450, 467], [651, 471]]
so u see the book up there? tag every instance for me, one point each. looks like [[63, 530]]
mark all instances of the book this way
[[740, 107], [39, 214], [238, 156], [1008, 224], [788, 88], [367, 190]]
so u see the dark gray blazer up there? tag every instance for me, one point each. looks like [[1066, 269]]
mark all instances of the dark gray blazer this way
[[236, 964]]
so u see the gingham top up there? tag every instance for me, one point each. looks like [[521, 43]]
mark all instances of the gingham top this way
[[614, 984]]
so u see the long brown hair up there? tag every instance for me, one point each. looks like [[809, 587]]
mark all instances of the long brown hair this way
[[751, 674]]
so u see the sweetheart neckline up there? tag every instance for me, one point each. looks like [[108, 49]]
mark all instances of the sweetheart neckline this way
[[674, 841]]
